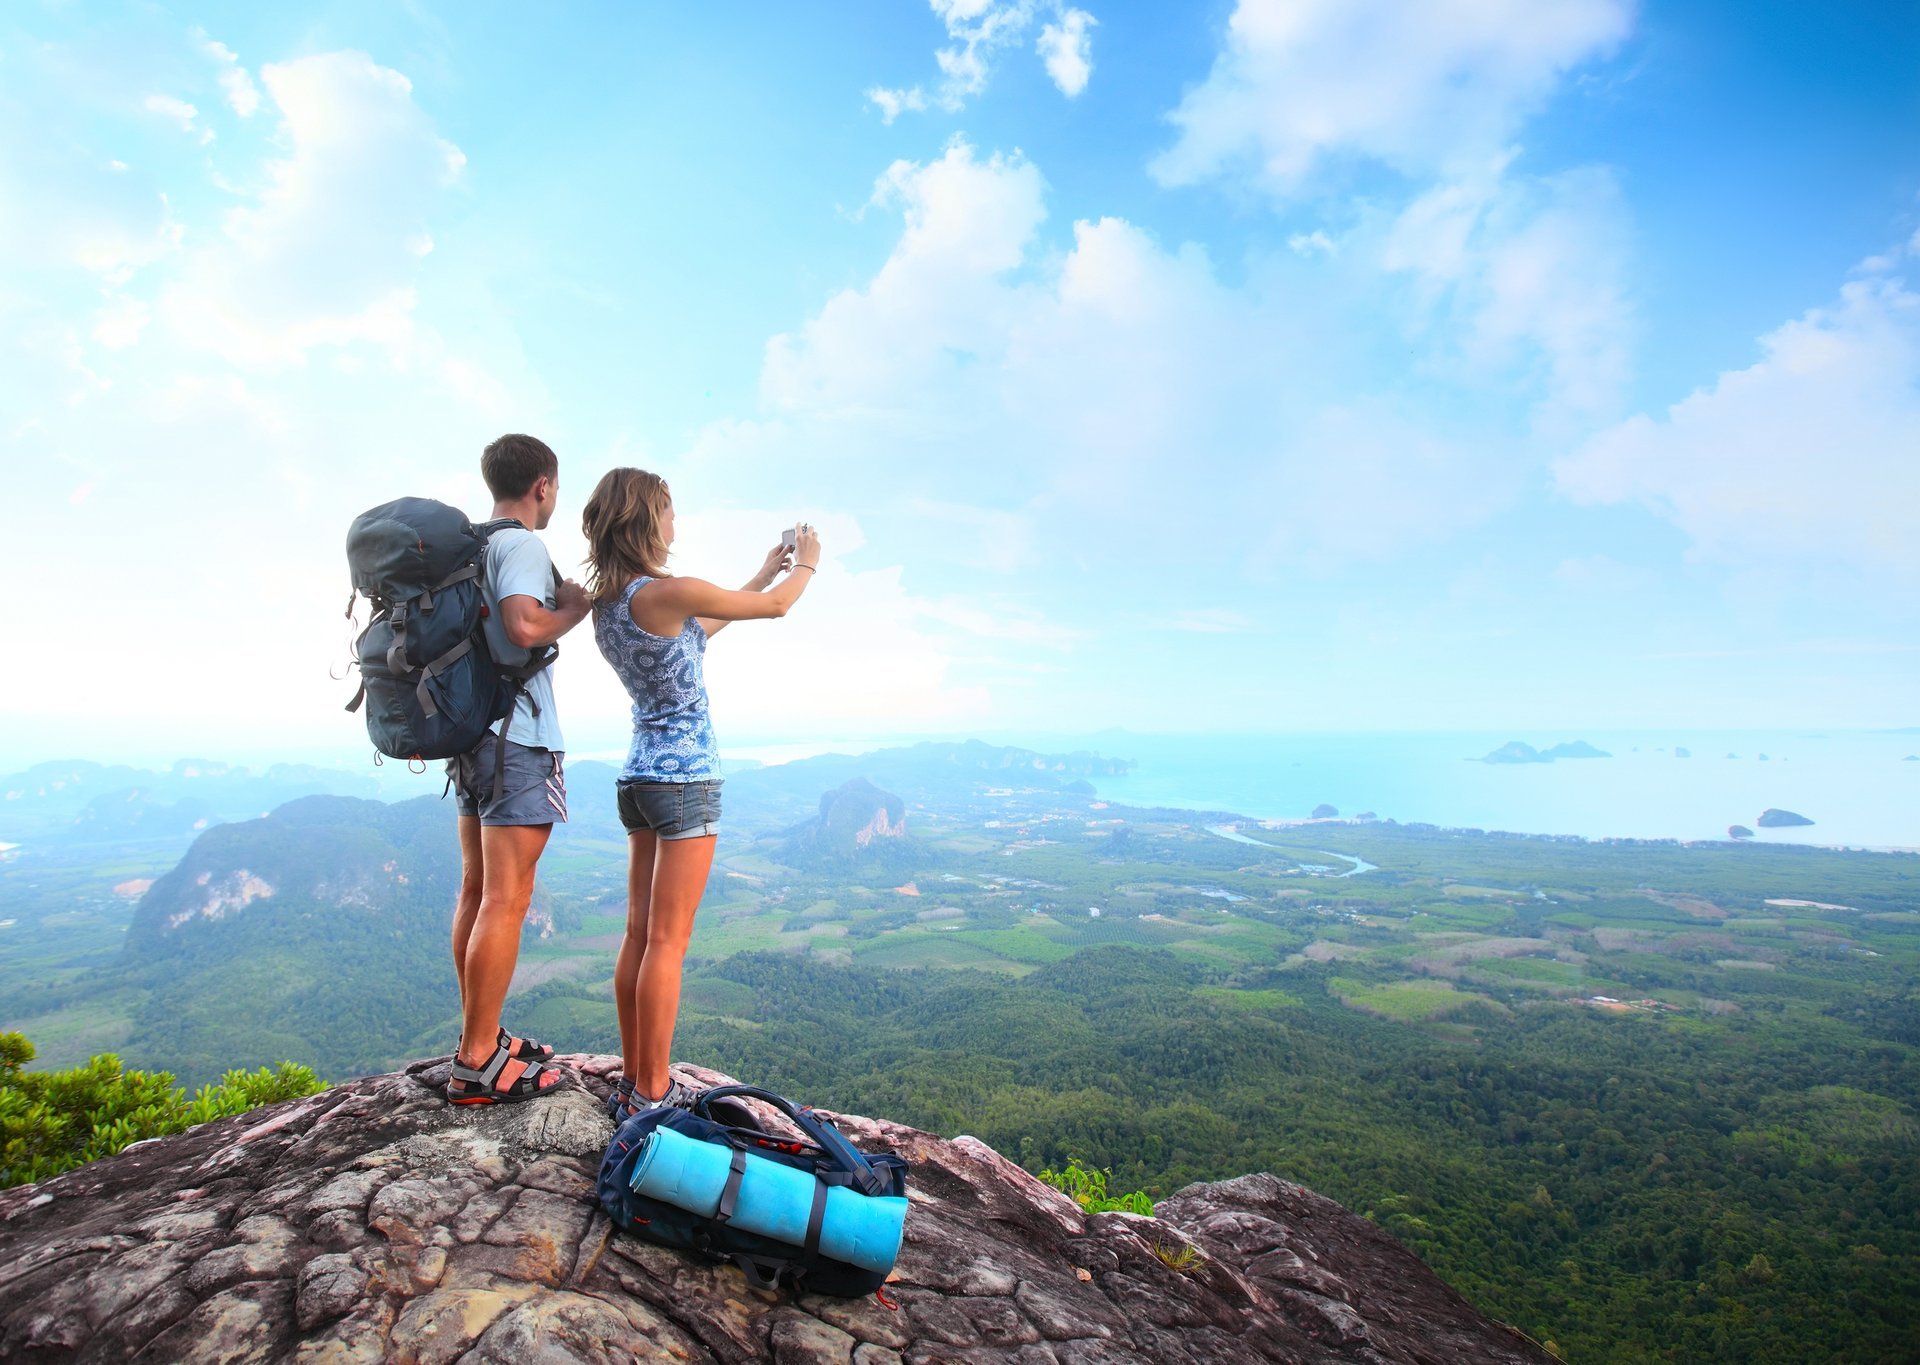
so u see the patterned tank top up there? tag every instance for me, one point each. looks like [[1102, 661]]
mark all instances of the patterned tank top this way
[[672, 733]]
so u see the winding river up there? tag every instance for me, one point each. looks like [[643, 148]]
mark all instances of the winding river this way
[[1359, 864]]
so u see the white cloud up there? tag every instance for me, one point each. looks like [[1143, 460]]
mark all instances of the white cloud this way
[[168, 107], [1805, 457], [1419, 87], [119, 325], [90, 214], [1067, 49], [243, 96], [1307, 243], [967, 223], [978, 31], [1522, 272], [892, 103], [1115, 394], [163, 387], [324, 251]]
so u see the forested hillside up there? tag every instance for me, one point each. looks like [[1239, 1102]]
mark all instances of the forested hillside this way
[[1646, 1101]]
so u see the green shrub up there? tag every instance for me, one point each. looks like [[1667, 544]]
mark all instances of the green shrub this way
[[52, 1121], [1088, 1189]]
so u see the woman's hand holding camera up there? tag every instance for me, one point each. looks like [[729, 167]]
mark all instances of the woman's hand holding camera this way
[[806, 547]]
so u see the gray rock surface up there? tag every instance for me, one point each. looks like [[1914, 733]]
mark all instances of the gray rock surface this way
[[373, 1222]]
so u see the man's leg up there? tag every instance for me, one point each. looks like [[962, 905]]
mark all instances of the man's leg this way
[[633, 945], [467, 908], [509, 854], [680, 868]]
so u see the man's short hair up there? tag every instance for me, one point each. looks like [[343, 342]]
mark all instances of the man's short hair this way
[[511, 465]]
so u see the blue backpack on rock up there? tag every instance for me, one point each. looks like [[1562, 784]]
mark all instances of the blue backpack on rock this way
[[431, 685], [815, 1212]]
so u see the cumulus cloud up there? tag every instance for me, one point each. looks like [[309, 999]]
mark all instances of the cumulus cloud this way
[[1415, 86], [1067, 49], [1525, 271], [1117, 384], [978, 31], [160, 346], [1807, 456], [323, 252], [243, 96], [893, 103], [967, 222]]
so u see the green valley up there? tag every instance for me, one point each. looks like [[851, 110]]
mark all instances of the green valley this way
[[1646, 1101]]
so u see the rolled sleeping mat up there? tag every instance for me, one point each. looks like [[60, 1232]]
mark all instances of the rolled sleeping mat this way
[[775, 1200]]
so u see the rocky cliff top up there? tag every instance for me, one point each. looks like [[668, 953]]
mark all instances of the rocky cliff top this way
[[374, 1222]]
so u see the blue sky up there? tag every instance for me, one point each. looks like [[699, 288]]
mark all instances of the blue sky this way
[[1266, 366]]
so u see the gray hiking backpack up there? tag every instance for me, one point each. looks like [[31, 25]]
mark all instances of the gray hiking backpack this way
[[431, 686]]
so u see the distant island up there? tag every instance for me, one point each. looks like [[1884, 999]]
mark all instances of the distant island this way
[[1739, 832], [1513, 751], [1780, 819]]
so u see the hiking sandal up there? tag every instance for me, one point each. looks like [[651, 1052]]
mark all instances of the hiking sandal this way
[[621, 1104], [483, 1086], [520, 1049], [626, 1100], [530, 1049]]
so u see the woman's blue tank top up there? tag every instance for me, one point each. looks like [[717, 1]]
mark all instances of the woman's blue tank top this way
[[672, 732]]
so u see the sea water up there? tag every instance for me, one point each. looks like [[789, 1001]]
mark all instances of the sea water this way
[[1857, 787]]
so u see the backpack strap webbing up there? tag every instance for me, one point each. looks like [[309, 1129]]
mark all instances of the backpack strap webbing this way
[[519, 676], [730, 1192], [434, 669], [762, 1272], [815, 1218]]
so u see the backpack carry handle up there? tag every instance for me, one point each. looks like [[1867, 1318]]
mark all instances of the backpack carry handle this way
[[824, 1134]]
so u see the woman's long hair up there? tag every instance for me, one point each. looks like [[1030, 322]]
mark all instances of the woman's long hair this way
[[622, 526]]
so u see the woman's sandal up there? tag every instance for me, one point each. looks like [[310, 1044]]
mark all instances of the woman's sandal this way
[[622, 1104], [626, 1099], [482, 1085]]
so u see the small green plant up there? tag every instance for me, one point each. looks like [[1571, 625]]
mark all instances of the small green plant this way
[[1087, 1187], [52, 1121], [1180, 1256]]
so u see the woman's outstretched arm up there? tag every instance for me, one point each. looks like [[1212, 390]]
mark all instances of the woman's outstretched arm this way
[[663, 604], [779, 560]]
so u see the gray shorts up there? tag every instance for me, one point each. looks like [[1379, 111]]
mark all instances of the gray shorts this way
[[670, 810], [534, 793]]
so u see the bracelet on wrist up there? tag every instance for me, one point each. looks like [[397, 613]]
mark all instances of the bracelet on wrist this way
[[810, 568]]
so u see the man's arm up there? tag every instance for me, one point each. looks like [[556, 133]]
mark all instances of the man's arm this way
[[530, 625]]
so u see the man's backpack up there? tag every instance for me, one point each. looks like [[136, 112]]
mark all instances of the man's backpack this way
[[431, 686], [821, 1178]]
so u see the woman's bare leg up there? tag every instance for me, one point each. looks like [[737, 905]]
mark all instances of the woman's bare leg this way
[[680, 868], [633, 945]]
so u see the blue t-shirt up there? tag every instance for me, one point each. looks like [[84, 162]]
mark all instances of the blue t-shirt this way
[[518, 566]]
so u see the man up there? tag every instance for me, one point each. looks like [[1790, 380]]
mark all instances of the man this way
[[504, 824]]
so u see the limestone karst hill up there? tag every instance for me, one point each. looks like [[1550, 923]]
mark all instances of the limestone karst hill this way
[[372, 1222]]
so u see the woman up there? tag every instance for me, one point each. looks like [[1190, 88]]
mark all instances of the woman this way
[[653, 628]]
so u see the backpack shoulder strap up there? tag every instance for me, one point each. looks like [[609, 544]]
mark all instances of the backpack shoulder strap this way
[[852, 1166]]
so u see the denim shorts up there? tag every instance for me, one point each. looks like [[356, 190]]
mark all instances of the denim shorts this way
[[534, 792], [670, 810]]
